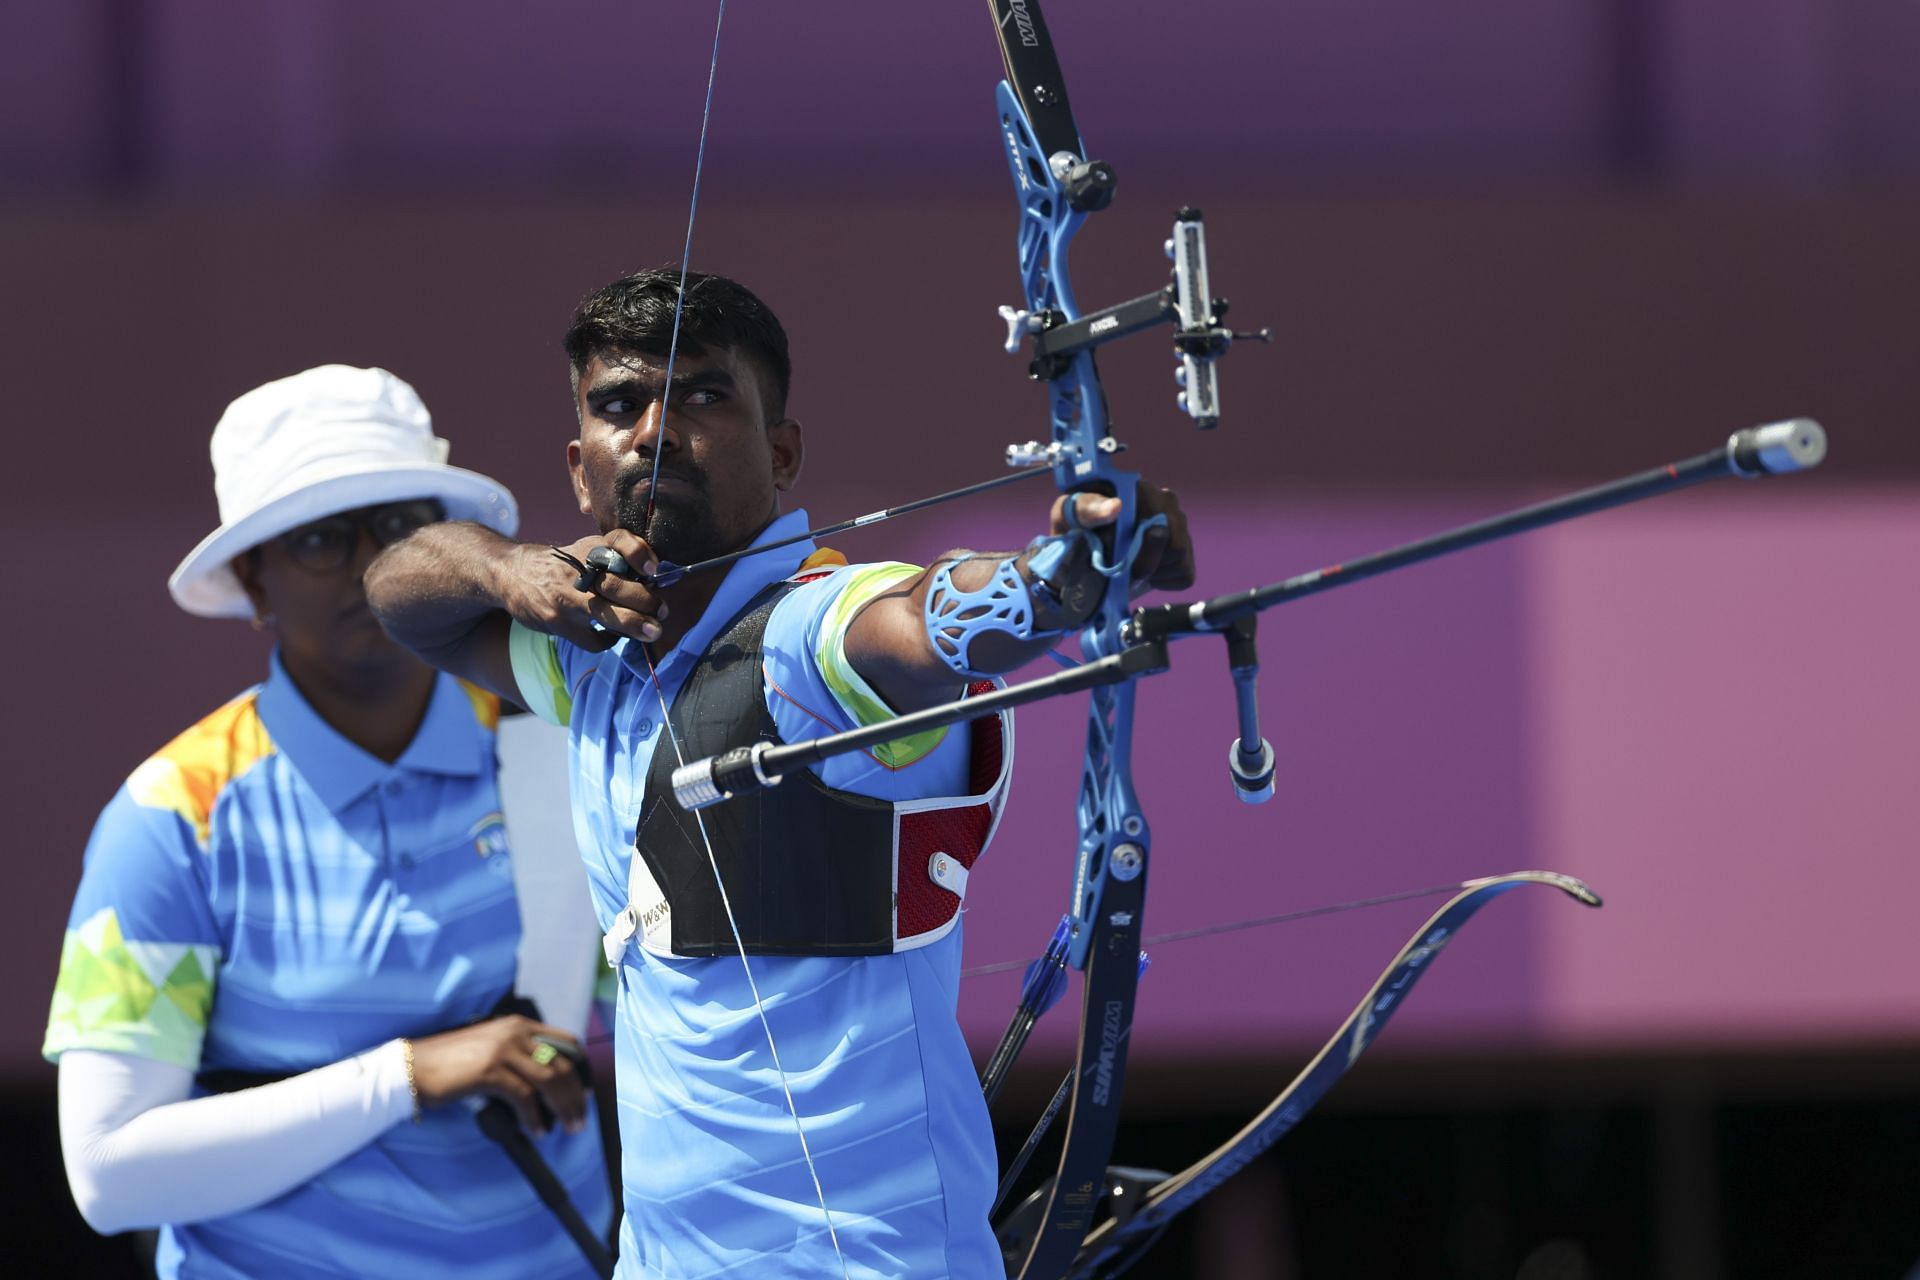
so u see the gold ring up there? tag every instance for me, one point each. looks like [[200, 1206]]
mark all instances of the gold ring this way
[[544, 1053]]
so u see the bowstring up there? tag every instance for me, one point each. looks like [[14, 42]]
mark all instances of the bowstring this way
[[759, 1006], [686, 257], [1235, 926], [666, 717], [1211, 930]]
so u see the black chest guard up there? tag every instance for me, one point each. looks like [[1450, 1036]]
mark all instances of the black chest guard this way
[[809, 870]]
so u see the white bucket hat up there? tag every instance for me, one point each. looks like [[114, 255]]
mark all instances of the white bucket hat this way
[[313, 445]]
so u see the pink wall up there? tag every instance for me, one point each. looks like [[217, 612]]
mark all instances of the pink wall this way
[[1699, 705], [1724, 696]]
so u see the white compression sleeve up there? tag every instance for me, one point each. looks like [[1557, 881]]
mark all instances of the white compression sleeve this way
[[140, 1150]]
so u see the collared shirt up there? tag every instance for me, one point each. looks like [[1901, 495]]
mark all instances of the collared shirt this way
[[712, 1173], [262, 895]]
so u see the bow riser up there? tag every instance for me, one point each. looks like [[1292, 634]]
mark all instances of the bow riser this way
[[1110, 870], [1083, 457]]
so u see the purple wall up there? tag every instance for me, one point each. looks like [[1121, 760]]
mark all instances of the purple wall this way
[[1698, 706], [1402, 742], [303, 95], [1440, 725]]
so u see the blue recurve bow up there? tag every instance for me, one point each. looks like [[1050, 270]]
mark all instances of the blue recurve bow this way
[[1058, 186], [1088, 1219]]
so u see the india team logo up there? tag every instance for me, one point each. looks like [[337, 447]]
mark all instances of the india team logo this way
[[489, 836]]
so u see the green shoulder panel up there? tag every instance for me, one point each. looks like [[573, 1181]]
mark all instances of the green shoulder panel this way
[[149, 999]]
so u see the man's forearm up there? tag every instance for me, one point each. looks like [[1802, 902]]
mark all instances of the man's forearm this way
[[452, 592], [970, 614], [434, 590], [892, 642]]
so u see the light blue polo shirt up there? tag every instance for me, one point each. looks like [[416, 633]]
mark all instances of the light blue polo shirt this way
[[713, 1178], [262, 895]]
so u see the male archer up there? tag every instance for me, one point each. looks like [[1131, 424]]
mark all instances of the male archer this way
[[788, 962]]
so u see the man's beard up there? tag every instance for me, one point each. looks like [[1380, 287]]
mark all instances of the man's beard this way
[[682, 530]]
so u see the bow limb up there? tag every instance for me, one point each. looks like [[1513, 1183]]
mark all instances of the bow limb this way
[[1118, 1242]]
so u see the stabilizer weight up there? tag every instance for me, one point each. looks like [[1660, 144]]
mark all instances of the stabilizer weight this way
[[1797, 444]]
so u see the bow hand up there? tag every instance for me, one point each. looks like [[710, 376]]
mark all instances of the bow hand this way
[[1165, 561]]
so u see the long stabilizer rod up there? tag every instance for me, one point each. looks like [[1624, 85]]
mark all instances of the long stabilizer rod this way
[[1779, 448]]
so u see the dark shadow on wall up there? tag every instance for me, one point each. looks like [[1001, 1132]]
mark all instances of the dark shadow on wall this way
[[47, 1236], [1578, 1174]]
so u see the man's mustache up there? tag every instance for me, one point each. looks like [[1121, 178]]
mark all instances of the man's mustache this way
[[633, 480]]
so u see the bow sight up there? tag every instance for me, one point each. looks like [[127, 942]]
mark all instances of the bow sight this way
[[1199, 337]]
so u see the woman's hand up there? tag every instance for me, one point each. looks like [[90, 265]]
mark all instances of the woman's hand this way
[[506, 1059]]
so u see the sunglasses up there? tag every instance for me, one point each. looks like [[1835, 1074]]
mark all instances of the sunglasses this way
[[325, 546]]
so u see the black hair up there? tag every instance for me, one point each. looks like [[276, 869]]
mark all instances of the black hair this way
[[635, 313]]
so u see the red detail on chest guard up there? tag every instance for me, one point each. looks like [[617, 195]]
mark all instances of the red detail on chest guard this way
[[961, 831]]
